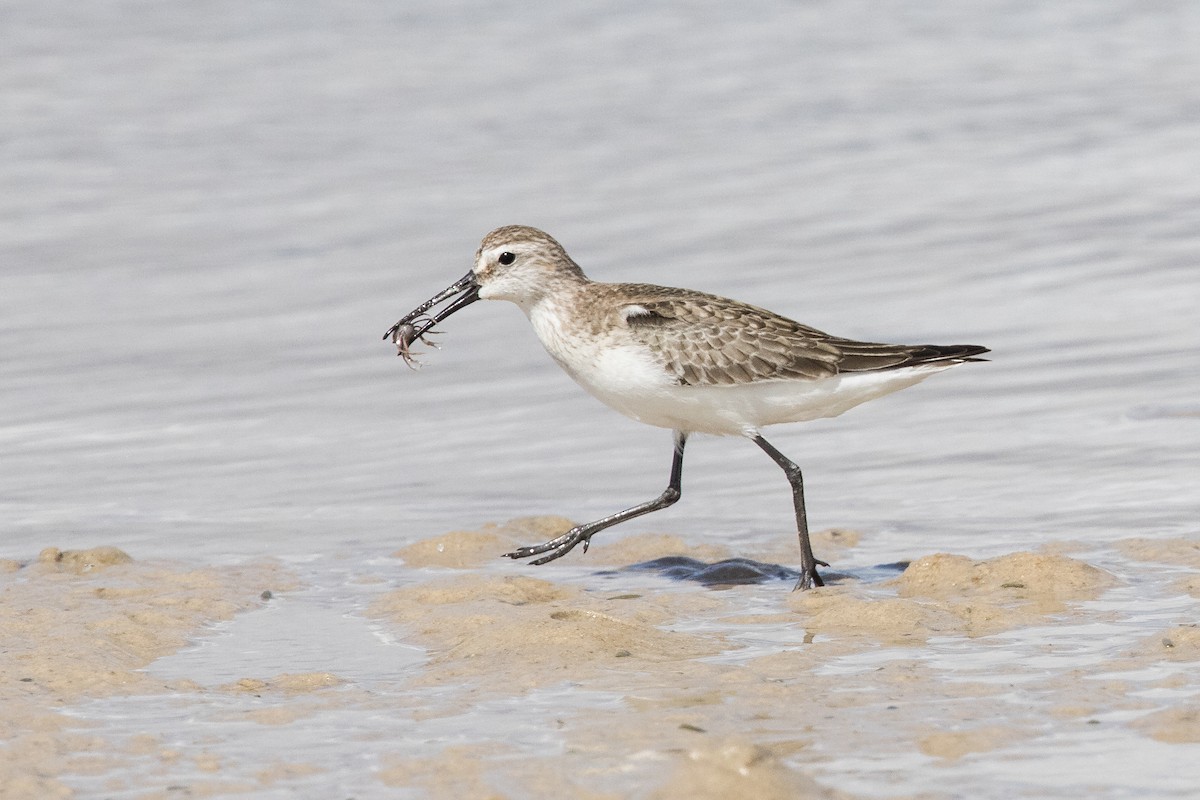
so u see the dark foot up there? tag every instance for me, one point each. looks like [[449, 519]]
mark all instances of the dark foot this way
[[557, 547], [809, 577]]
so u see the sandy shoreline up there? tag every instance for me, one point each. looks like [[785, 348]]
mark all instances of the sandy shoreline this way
[[751, 690]]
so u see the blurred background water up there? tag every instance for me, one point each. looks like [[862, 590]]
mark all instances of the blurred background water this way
[[212, 211]]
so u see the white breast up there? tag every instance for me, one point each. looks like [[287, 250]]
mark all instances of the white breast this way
[[610, 365]]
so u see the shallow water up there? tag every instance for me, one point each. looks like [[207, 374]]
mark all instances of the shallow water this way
[[322, 689], [214, 213]]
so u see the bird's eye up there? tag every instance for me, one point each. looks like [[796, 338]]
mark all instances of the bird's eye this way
[[506, 258]]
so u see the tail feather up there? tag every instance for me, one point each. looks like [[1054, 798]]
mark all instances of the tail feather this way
[[869, 357], [950, 352]]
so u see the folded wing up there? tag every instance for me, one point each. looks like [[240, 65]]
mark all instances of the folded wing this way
[[708, 340]]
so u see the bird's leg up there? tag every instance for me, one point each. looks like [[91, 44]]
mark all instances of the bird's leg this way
[[560, 546], [808, 562]]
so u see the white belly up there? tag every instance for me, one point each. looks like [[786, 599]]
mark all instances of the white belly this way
[[738, 410]]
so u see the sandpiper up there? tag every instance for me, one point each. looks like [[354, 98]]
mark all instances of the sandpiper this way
[[678, 359]]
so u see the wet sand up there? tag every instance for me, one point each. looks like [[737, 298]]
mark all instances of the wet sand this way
[[79, 625], [624, 683]]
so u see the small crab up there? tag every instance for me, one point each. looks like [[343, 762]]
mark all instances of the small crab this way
[[417, 324], [403, 336]]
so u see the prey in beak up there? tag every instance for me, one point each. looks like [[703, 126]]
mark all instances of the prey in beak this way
[[417, 323]]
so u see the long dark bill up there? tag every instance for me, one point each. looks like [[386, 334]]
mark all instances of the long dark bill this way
[[467, 291]]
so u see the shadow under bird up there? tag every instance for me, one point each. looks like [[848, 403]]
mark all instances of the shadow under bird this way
[[678, 359]]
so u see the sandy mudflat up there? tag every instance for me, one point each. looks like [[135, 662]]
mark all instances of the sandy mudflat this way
[[78, 625], [544, 682]]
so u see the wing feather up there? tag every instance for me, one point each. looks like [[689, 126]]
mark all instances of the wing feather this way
[[693, 333]]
